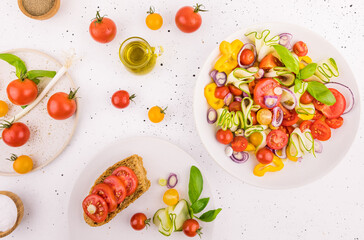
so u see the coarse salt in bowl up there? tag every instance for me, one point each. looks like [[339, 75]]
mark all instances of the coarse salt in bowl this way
[[9, 213]]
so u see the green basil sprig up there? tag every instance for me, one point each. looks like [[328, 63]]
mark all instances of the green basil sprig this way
[[21, 70], [318, 90], [195, 187]]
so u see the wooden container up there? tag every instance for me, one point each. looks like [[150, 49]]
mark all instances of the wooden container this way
[[45, 16], [19, 206]]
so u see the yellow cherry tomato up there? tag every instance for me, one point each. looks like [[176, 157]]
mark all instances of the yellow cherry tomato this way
[[255, 138], [171, 197], [156, 114], [154, 20], [3, 108], [22, 164], [264, 116]]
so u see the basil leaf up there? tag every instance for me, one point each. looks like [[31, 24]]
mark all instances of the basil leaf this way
[[195, 185], [287, 58], [33, 74], [321, 93], [308, 71], [199, 205], [210, 216], [19, 65], [297, 85]]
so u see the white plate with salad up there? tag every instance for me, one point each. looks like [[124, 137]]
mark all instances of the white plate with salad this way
[[165, 163], [276, 105]]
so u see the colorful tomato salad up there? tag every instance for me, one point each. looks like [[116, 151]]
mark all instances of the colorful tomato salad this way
[[269, 98]]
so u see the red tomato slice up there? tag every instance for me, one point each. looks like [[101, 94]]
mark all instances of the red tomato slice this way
[[320, 130], [98, 210], [128, 177], [221, 92], [305, 125], [269, 62], [317, 115], [318, 105], [334, 122], [265, 87], [290, 119], [106, 192], [235, 106], [117, 186], [338, 108], [239, 144], [277, 139], [235, 91]]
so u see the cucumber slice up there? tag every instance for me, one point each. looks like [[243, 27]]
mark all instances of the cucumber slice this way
[[164, 222], [180, 214], [155, 217]]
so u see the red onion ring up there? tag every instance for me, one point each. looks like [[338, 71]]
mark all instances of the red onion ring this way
[[238, 99], [259, 74], [172, 180], [242, 49], [213, 73], [239, 157], [285, 40], [270, 101], [211, 116], [228, 99], [294, 99], [346, 92], [318, 146], [284, 152], [276, 122]]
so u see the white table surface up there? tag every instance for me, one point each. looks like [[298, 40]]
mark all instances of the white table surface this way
[[331, 208]]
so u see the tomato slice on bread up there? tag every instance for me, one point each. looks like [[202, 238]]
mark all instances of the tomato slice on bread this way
[[320, 130], [129, 178], [95, 207], [106, 192], [118, 187], [265, 87]]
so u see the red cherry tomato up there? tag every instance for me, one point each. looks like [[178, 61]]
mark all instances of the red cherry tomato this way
[[306, 98], [61, 105], [290, 129], [338, 108], [277, 139], [95, 207], [224, 137], [106, 192], [191, 227], [290, 119], [128, 177], [22, 92], [235, 91], [15, 134], [318, 105], [320, 130], [117, 186], [254, 117], [188, 19], [221, 92], [317, 115], [235, 106], [121, 99], [265, 87], [102, 29], [300, 49], [265, 156], [247, 57], [239, 144], [269, 62], [138, 221], [305, 125], [334, 122]]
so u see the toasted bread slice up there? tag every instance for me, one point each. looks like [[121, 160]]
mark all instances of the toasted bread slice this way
[[135, 163]]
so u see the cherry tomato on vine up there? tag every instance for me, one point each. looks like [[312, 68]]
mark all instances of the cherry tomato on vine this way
[[156, 114], [265, 156], [224, 137], [15, 134], [154, 20], [300, 49], [22, 92], [102, 29], [171, 197], [22, 164], [247, 57], [138, 221], [188, 19], [121, 99], [191, 227], [3, 108], [61, 105]]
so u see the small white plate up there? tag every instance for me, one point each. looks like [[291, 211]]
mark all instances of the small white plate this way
[[159, 158], [293, 174]]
